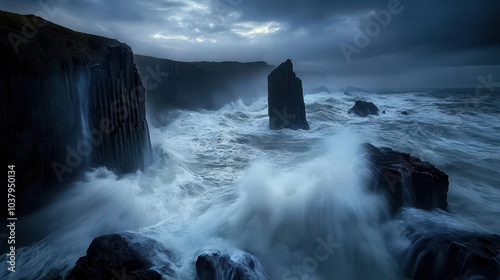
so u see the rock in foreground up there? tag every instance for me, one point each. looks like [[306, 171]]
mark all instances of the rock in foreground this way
[[407, 180], [238, 265], [439, 247], [455, 257], [115, 257], [364, 108], [286, 99]]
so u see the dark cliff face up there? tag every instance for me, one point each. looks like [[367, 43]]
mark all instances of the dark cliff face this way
[[285, 98], [198, 85], [68, 100]]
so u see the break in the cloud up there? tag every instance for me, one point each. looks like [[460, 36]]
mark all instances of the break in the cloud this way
[[378, 43]]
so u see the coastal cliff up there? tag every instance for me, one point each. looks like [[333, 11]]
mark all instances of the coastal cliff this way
[[198, 85], [68, 100]]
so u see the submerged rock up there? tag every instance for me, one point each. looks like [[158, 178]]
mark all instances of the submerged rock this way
[[286, 99], [115, 256], [364, 108], [237, 265], [407, 180]]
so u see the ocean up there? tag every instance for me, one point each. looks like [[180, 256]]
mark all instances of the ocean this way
[[223, 180]]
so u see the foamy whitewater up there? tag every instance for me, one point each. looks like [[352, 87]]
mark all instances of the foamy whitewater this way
[[223, 180]]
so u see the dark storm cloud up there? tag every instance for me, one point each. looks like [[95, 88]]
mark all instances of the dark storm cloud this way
[[424, 38]]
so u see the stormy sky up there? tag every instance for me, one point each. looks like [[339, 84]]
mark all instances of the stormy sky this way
[[365, 43]]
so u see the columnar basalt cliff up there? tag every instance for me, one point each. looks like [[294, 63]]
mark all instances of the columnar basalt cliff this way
[[198, 85], [286, 99], [68, 100]]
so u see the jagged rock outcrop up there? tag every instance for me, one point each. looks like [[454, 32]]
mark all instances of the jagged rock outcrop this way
[[198, 85], [68, 100], [229, 266], [455, 256], [364, 108], [439, 247], [406, 180], [286, 99], [115, 256]]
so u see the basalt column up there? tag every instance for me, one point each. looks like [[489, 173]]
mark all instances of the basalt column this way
[[285, 98]]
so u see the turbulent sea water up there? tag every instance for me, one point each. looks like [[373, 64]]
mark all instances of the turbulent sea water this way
[[223, 180]]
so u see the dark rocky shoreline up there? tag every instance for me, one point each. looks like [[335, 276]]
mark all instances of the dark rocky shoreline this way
[[57, 72]]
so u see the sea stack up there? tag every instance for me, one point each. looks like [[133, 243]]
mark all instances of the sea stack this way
[[286, 99]]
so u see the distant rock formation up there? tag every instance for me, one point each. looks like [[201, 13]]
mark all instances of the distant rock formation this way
[[221, 265], [198, 85], [285, 99], [68, 100], [115, 256], [364, 108], [406, 180]]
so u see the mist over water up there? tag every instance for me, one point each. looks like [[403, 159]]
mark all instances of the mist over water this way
[[295, 199]]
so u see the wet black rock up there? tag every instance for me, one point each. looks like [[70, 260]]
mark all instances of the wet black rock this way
[[406, 180], [439, 247], [466, 256], [364, 108], [116, 256], [68, 100], [286, 105], [236, 265]]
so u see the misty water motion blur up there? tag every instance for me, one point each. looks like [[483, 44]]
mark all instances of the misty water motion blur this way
[[223, 180]]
